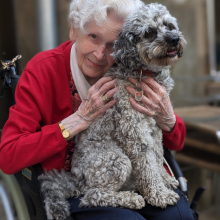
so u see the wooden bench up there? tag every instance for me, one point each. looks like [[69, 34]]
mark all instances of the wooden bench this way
[[202, 144]]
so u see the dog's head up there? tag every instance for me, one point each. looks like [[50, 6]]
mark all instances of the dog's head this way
[[150, 39]]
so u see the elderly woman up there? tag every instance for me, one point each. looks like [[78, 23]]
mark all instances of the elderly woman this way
[[45, 119]]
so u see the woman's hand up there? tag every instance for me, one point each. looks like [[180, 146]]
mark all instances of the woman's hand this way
[[155, 103], [95, 105], [98, 99]]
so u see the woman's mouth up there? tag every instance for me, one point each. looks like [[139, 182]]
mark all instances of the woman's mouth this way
[[94, 64]]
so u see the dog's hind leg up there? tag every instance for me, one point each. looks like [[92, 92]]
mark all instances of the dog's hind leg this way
[[103, 174]]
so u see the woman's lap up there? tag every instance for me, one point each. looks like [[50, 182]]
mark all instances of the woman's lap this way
[[102, 213], [181, 211]]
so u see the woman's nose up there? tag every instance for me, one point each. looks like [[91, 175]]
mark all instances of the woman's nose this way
[[100, 52]]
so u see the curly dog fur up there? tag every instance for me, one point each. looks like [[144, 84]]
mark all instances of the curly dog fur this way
[[122, 151]]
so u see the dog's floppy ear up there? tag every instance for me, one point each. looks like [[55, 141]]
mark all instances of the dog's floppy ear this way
[[125, 53]]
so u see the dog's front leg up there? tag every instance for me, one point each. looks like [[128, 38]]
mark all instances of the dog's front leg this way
[[149, 181]]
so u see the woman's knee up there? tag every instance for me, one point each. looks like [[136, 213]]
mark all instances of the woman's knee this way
[[180, 211]]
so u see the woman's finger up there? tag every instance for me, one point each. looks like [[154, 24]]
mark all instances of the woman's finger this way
[[133, 80], [102, 109], [157, 88], [111, 93], [98, 85], [141, 108], [100, 101], [106, 87], [95, 96]]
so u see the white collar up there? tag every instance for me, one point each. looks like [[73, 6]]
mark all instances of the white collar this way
[[80, 81]]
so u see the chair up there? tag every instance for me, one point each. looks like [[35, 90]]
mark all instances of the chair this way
[[30, 187]]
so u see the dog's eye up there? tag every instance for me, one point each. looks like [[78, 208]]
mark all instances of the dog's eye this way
[[170, 27], [150, 34]]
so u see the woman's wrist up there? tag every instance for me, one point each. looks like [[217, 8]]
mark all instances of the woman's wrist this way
[[169, 127], [74, 124]]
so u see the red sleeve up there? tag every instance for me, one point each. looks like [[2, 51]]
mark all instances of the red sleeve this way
[[175, 140], [26, 138]]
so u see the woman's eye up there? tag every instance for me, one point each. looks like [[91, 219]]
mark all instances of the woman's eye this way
[[94, 36]]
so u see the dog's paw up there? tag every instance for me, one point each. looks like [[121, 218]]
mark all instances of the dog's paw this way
[[170, 182], [60, 210], [85, 204], [173, 183], [125, 199], [131, 200], [163, 198], [136, 201]]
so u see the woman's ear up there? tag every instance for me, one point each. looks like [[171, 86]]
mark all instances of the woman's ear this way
[[72, 34]]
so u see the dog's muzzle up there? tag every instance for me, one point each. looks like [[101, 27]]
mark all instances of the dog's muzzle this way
[[173, 40]]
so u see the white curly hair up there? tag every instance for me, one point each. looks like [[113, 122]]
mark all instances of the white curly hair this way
[[83, 11]]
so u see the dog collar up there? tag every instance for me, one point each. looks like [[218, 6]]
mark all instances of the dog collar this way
[[157, 73]]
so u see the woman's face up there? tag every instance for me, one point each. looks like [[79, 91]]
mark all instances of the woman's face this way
[[93, 49]]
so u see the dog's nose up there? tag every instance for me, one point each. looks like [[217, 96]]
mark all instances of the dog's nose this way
[[173, 40]]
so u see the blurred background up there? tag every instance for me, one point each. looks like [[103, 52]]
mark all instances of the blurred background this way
[[30, 26]]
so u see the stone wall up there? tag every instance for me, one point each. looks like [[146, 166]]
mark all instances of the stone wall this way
[[27, 27]]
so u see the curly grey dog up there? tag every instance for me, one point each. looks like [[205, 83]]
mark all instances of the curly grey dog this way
[[122, 151]]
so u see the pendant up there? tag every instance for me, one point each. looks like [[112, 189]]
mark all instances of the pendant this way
[[138, 93]]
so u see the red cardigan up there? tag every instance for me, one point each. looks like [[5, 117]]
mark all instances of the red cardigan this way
[[31, 134]]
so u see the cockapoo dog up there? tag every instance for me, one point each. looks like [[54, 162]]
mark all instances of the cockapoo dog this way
[[122, 151]]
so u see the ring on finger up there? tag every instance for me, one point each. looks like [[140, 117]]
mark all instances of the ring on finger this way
[[105, 99]]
